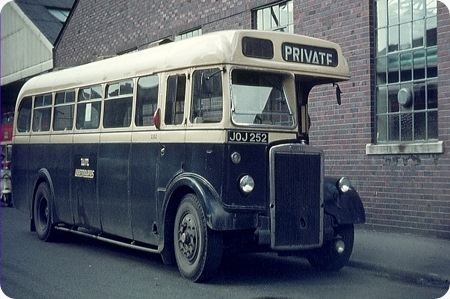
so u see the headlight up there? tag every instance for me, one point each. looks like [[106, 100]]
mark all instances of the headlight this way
[[246, 184], [344, 185]]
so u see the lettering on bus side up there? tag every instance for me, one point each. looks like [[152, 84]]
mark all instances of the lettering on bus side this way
[[309, 54], [84, 173], [252, 137]]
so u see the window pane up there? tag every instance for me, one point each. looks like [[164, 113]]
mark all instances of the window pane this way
[[41, 119], [207, 100], [382, 128], [382, 99], [393, 12], [405, 36], [147, 100], [432, 95], [432, 63], [393, 38], [393, 68], [419, 96], [420, 126], [431, 31], [88, 115], [419, 64], [431, 8], [407, 122], [381, 13], [176, 88], [63, 118], [418, 33], [432, 125], [406, 67], [112, 90], [381, 70], [394, 127], [392, 96], [24, 117], [278, 17], [117, 113], [405, 10], [382, 41], [419, 9]]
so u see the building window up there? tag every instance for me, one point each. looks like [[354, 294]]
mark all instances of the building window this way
[[59, 13], [276, 17], [406, 71], [189, 34]]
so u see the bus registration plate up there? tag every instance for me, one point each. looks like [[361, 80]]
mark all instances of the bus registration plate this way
[[242, 136]]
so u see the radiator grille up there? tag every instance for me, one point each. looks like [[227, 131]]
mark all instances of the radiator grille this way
[[296, 198]]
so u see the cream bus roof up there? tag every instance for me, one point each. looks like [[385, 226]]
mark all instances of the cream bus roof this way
[[223, 47]]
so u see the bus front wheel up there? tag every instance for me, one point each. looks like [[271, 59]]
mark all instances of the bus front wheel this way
[[198, 249], [327, 257], [42, 210]]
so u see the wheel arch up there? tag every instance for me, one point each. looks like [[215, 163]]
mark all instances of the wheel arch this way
[[208, 197], [42, 176], [346, 208]]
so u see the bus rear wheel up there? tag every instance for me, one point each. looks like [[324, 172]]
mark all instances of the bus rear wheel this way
[[198, 249], [42, 210]]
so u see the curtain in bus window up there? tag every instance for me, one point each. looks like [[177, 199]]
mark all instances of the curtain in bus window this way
[[147, 100], [176, 87], [207, 99]]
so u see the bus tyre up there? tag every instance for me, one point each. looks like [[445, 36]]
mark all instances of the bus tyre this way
[[42, 210], [198, 249], [327, 258]]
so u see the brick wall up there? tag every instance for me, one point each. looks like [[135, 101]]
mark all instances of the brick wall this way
[[407, 192], [105, 28]]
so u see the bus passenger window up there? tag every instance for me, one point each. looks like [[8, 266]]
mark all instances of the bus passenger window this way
[[64, 110], [147, 100], [118, 105], [24, 117], [42, 113], [207, 100], [176, 88], [89, 107]]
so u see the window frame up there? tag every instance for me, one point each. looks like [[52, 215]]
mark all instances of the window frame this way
[[396, 88], [268, 17]]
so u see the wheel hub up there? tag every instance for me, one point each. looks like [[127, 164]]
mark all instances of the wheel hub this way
[[187, 237]]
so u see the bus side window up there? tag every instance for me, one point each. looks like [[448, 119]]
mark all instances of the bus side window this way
[[64, 110], [24, 117], [207, 99], [42, 113], [89, 107], [147, 100], [118, 103], [176, 89]]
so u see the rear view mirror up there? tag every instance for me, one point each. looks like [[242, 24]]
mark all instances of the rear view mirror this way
[[338, 93]]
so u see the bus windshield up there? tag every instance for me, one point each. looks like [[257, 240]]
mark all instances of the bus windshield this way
[[259, 98]]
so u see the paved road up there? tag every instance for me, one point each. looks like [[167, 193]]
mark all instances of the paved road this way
[[83, 268]]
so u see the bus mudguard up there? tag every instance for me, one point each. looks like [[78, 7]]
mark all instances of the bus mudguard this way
[[344, 205], [42, 176], [217, 217]]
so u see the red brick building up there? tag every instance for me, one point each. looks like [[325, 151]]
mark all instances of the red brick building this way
[[392, 132]]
